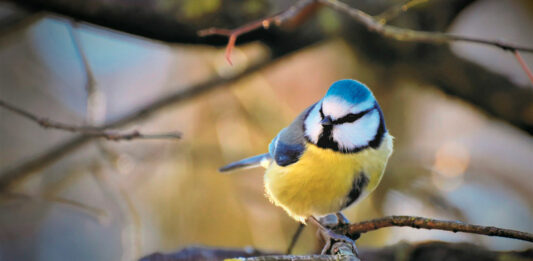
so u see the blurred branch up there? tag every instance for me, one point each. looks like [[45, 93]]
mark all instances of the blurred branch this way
[[340, 251], [524, 66], [118, 194], [449, 72], [427, 223], [90, 85], [397, 10], [408, 35], [22, 170], [401, 251], [99, 214], [370, 22], [343, 250], [87, 130], [277, 19]]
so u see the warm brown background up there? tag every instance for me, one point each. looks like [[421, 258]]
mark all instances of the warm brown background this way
[[122, 200]]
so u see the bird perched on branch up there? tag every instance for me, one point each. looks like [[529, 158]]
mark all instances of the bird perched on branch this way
[[332, 155]]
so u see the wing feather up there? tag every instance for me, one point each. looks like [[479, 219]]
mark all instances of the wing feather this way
[[289, 145]]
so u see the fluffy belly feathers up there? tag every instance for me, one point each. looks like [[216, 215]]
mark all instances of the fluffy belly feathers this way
[[318, 183]]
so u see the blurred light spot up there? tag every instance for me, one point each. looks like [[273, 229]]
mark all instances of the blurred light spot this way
[[125, 164], [329, 20], [197, 8], [96, 107], [451, 161], [446, 183]]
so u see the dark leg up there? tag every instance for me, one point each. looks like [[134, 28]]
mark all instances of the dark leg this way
[[342, 219], [329, 235], [295, 237]]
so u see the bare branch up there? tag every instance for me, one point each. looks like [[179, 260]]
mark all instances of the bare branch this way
[[277, 19], [427, 223], [396, 10], [293, 257], [18, 172], [99, 214], [87, 130], [408, 35], [432, 250], [370, 22], [76, 43]]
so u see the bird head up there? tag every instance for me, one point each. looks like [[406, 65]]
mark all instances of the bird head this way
[[347, 119]]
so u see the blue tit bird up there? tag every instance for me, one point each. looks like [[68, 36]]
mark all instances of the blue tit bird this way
[[331, 156]]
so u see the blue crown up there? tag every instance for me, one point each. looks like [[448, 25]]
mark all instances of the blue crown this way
[[350, 90]]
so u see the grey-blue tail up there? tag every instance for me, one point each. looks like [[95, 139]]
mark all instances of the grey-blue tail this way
[[251, 162]]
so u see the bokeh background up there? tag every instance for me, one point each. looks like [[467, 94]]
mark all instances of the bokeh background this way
[[123, 200]]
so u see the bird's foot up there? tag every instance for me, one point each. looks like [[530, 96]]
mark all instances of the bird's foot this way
[[334, 221], [342, 219], [338, 223], [330, 236]]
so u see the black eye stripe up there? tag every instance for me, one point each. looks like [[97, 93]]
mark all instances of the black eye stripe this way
[[321, 112], [353, 117]]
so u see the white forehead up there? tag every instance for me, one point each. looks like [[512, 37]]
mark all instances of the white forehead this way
[[337, 107]]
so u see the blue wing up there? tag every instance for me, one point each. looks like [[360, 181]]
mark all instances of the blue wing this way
[[289, 145], [286, 148]]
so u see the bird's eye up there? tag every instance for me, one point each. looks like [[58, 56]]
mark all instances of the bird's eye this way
[[352, 117]]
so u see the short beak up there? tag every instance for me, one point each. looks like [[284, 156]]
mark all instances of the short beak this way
[[326, 121]]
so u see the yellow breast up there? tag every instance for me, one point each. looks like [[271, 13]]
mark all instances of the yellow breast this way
[[318, 183]]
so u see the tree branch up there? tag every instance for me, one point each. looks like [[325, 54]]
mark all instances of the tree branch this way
[[370, 22], [396, 10], [524, 66], [87, 130], [22, 170], [277, 19], [90, 83], [427, 223], [401, 251], [408, 35]]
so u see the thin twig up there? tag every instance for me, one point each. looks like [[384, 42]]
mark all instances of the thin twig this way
[[19, 171], [396, 10], [291, 258], [295, 237], [97, 213], [277, 19], [427, 223], [408, 35], [370, 22], [87, 130], [76, 43], [524, 66]]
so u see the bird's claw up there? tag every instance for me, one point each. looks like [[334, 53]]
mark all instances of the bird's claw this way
[[329, 235]]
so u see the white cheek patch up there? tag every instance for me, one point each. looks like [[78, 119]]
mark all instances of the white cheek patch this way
[[357, 134], [312, 125]]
